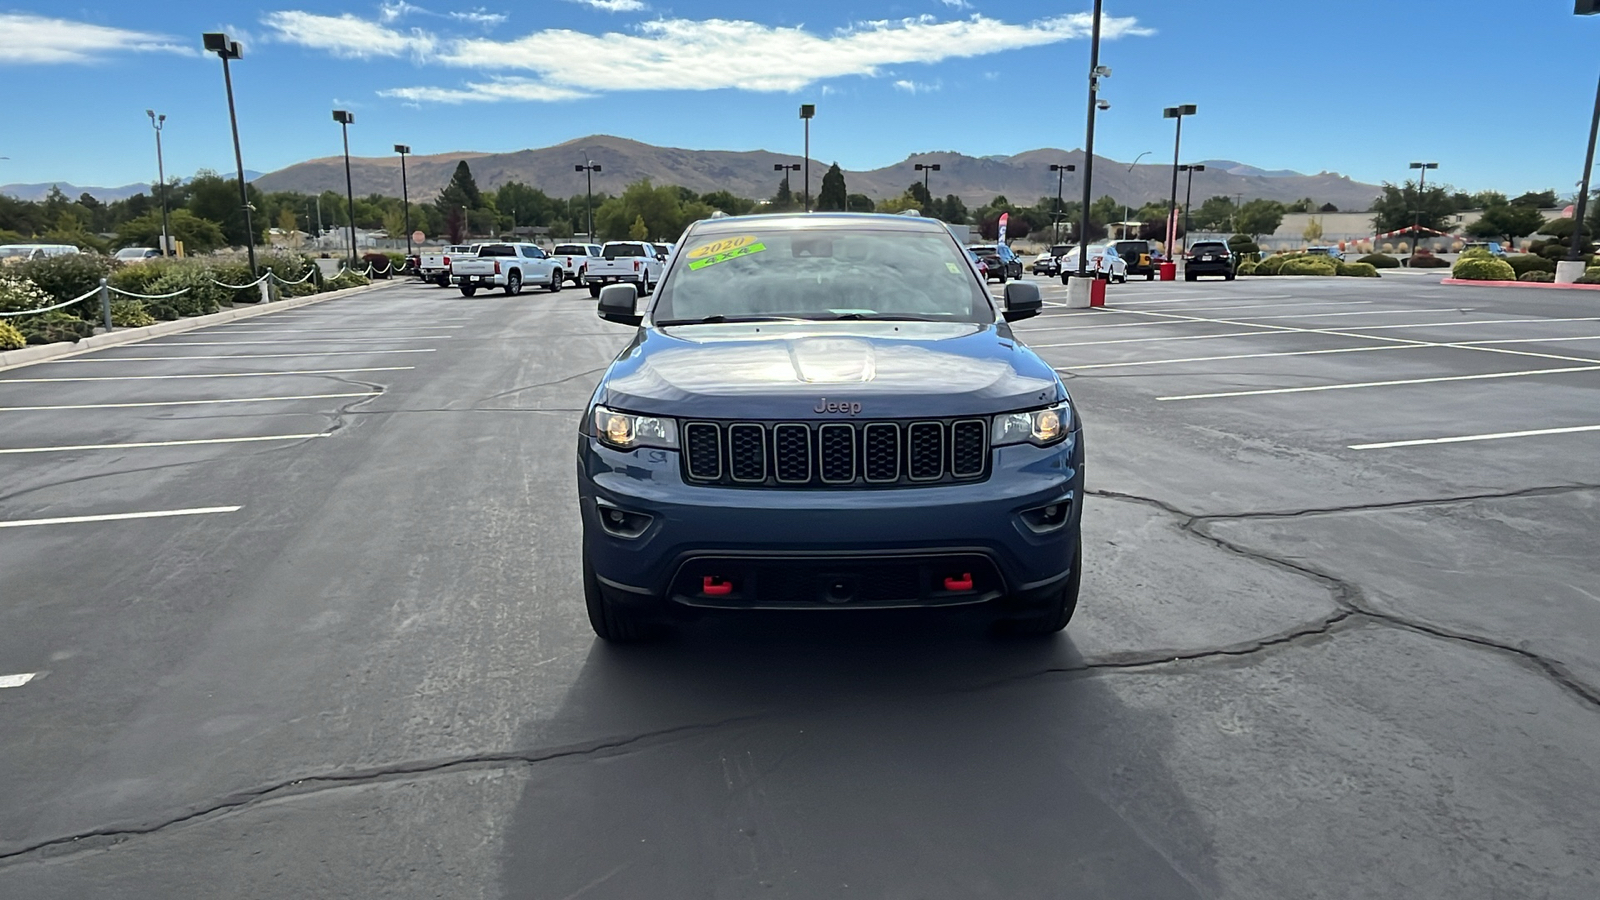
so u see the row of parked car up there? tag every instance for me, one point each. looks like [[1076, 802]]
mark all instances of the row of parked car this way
[[1117, 261], [511, 266]]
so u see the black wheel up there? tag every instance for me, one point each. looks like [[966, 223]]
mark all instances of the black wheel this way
[[513, 283], [467, 290], [594, 290], [1002, 278], [1149, 276], [1189, 276], [1228, 277], [1054, 614], [1065, 278], [609, 620], [555, 281], [442, 279], [581, 277]]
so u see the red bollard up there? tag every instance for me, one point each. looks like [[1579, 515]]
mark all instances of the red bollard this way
[[1097, 292]]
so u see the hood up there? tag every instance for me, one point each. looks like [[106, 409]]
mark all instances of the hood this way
[[795, 371]]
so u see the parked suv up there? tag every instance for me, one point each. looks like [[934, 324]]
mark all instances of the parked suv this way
[[827, 411], [1001, 262], [1208, 258], [1138, 257]]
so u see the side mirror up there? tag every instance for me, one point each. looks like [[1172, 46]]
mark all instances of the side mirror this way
[[1022, 301], [619, 302]]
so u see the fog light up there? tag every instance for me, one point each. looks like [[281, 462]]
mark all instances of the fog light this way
[[622, 523], [1048, 518]]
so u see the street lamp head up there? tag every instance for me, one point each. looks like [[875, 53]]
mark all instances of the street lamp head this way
[[1057, 167], [402, 149], [807, 110], [218, 43], [1175, 112], [1424, 165], [1587, 8], [343, 117], [1101, 72], [1102, 105]]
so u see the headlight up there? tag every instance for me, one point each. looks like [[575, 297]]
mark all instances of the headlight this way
[[627, 431], [1040, 426]]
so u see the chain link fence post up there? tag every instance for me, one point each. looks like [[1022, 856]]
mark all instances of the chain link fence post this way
[[266, 286], [105, 303]]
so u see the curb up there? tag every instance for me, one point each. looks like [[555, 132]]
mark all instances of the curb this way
[[1522, 284], [11, 359]]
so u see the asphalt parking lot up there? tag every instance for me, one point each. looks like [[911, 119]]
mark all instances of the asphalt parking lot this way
[[291, 608]]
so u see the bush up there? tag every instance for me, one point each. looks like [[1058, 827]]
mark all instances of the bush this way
[[130, 314], [1527, 262], [65, 277], [1380, 261], [378, 264], [1472, 268], [237, 274], [1427, 262], [1590, 276], [293, 267], [1476, 253], [1358, 270], [1270, 265], [17, 294], [1308, 265], [54, 326], [1247, 268], [137, 277], [11, 338], [346, 279], [1537, 277], [201, 297], [1553, 251]]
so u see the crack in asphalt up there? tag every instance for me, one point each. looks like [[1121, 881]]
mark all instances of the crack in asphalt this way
[[542, 384], [1350, 596], [378, 774]]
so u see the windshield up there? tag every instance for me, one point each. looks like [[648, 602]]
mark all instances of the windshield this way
[[15, 252], [1210, 247], [132, 253], [833, 273], [613, 251]]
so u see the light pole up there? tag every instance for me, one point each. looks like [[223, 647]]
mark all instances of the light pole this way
[[158, 122], [1096, 72], [1416, 219], [1188, 197], [1175, 112], [1574, 262], [218, 43], [1061, 173], [807, 110], [925, 169], [344, 118], [786, 168], [405, 192], [1136, 160], [588, 169]]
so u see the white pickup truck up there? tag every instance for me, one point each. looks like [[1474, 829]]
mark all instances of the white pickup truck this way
[[506, 266], [639, 263], [575, 259], [435, 267]]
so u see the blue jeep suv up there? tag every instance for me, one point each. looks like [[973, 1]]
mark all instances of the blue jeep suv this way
[[827, 411]]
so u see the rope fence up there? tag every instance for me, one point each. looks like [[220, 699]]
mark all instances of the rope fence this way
[[29, 312]]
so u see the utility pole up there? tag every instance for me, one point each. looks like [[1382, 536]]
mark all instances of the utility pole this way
[[159, 122], [405, 192], [1175, 112], [1061, 173], [218, 43], [344, 118], [1095, 74], [1188, 198], [925, 169], [588, 169]]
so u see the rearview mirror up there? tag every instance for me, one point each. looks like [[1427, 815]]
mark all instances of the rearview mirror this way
[[618, 303], [1022, 301]]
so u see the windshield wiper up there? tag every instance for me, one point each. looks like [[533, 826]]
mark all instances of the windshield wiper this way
[[722, 319], [877, 318]]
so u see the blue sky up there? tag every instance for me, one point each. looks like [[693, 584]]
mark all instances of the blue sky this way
[[1499, 93]]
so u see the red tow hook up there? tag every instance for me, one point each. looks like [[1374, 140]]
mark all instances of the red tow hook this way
[[964, 583], [714, 586]]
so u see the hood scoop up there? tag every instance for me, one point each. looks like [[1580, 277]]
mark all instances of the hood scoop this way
[[833, 360]]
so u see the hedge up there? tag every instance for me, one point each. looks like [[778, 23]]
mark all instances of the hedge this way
[[1537, 277], [51, 327], [130, 314], [1427, 262], [1308, 265], [1523, 263], [66, 277], [11, 338], [1358, 270], [1476, 253], [1270, 265], [1380, 261], [1471, 268], [1246, 268]]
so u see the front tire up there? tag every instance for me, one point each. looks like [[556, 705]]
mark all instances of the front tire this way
[[513, 283], [610, 621], [442, 279]]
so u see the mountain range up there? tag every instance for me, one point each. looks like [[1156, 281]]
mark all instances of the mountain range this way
[[1022, 178], [39, 191]]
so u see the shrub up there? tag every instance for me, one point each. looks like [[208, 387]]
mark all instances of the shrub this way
[[1246, 268], [1471, 268], [236, 274], [54, 326], [378, 263], [1380, 261], [1308, 265], [1357, 270], [1553, 251], [130, 314], [1524, 263], [1271, 265], [1537, 277], [11, 338], [1476, 253], [292, 267], [65, 277], [18, 293], [1590, 276], [1427, 262], [138, 277], [346, 279], [201, 295]]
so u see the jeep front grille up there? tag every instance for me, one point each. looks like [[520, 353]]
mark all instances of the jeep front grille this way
[[836, 454]]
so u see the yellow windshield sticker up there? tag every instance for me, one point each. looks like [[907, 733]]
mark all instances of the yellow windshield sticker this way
[[953, 267], [745, 250], [717, 248]]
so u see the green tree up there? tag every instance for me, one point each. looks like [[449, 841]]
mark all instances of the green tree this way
[[196, 234], [783, 199], [860, 203], [1537, 200], [638, 231], [1402, 205], [216, 198], [924, 199], [951, 210], [1304, 205], [833, 196], [1216, 214], [1508, 220], [728, 203], [899, 204], [1259, 217], [1328, 208]]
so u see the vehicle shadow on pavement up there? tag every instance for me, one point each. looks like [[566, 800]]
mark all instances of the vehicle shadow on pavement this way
[[871, 754]]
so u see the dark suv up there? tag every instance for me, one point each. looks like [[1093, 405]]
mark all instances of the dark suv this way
[[1138, 257], [827, 411], [1208, 258], [1002, 263]]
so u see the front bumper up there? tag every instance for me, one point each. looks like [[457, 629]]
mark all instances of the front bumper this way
[[809, 548]]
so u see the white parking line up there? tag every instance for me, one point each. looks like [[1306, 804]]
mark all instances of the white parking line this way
[[414, 337], [1216, 297], [1185, 337], [1477, 322], [104, 359], [1462, 439], [1194, 359], [364, 328], [1364, 312], [118, 517], [185, 402], [216, 375], [1367, 384], [12, 681], [188, 443]]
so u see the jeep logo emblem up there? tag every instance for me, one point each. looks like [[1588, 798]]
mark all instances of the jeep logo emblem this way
[[824, 405]]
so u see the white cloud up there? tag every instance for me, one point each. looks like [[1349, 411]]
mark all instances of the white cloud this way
[[347, 35], [957, 4], [615, 5], [39, 40], [479, 16], [395, 10], [916, 87], [496, 89]]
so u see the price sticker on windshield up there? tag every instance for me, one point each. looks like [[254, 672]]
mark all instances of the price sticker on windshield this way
[[698, 260], [717, 248]]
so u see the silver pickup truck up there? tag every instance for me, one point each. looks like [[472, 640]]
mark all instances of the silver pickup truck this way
[[508, 267], [435, 267], [638, 263]]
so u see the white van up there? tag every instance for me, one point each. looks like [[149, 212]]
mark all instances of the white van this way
[[10, 252]]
